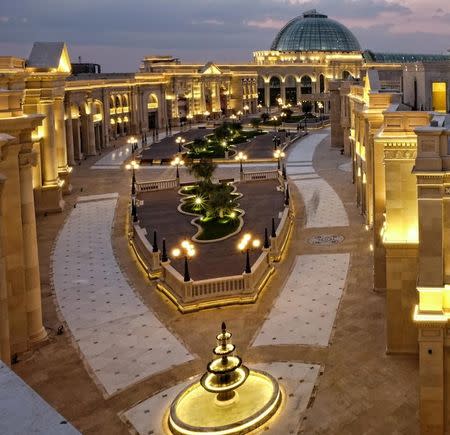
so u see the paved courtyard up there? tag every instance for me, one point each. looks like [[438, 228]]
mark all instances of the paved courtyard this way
[[354, 387]]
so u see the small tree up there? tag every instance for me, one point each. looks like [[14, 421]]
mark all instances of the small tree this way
[[203, 171], [265, 117], [255, 123], [220, 202]]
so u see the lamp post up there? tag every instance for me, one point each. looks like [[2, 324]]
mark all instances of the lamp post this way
[[276, 142], [180, 140], [246, 243], [246, 109], [188, 250], [239, 114], [206, 113], [241, 157], [133, 165], [320, 106], [259, 107], [279, 154], [233, 117], [177, 161]]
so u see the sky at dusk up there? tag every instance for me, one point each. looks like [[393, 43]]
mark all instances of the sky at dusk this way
[[118, 34]]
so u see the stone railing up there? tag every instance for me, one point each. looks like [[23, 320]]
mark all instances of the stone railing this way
[[150, 186], [259, 175], [143, 249], [278, 243], [196, 295]]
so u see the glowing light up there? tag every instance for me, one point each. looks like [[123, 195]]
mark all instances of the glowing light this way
[[256, 243], [176, 252], [232, 215], [198, 200], [247, 237], [185, 244]]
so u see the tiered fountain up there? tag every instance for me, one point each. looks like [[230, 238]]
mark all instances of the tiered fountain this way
[[228, 399]]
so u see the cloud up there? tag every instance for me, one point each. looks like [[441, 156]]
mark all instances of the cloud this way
[[212, 21], [266, 23], [4, 19]]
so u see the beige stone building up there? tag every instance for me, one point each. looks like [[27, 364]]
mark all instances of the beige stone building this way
[[50, 120], [400, 158]]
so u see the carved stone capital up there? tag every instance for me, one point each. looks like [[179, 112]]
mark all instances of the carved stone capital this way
[[400, 154], [28, 158]]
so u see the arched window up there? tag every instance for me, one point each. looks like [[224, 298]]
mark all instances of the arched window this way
[[346, 75], [306, 85], [321, 84]]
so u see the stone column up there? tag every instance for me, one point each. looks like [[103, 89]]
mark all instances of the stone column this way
[[91, 149], [78, 155], [5, 354], [266, 94], [298, 88], [69, 137], [61, 145], [49, 196], [36, 331], [283, 91], [49, 158], [60, 135]]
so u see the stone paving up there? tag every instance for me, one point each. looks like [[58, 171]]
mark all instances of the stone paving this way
[[121, 340], [297, 381], [323, 206], [305, 311], [361, 390], [22, 411]]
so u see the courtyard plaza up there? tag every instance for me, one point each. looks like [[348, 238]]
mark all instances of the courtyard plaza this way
[[353, 386]]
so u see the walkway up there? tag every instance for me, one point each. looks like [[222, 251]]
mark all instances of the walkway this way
[[120, 338], [323, 206], [22, 411]]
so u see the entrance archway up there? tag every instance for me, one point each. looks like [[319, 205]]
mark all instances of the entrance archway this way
[[291, 90], [275, 90]]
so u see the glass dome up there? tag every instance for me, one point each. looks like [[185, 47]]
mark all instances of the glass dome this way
[[312, 31]]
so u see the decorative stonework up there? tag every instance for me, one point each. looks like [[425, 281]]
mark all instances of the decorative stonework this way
[[326, 239], [400, 154]]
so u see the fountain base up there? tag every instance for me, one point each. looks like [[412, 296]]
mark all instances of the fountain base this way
[[196, 411]]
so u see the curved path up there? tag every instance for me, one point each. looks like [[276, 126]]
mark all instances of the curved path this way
[[120, 339]]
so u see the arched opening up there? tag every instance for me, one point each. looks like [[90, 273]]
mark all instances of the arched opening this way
[[152, 111], [97, 109], [321, 83], [275, 90], [261, 91], [75, 114], [291, 90], [118, 102], [182, 106], [124, 100], [346, 75], [306, 85]]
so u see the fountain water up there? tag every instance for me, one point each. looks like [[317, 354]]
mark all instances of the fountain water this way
[[228, 399]]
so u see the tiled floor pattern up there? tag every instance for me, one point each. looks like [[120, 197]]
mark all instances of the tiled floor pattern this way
[[304, 312], [122, 341], [296, 379], [22, 411], [323, 206]]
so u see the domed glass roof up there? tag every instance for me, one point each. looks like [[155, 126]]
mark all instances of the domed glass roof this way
[[314, 32]]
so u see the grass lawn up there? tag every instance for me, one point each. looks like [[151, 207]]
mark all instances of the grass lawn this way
[[217, 228]]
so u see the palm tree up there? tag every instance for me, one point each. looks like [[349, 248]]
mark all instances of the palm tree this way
[[220, 202], [203, 169]]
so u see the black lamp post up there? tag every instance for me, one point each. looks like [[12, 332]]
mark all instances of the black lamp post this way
[[164, 256], [187, 277], [155, 241], [248, 269], [266, 239], [134, 210], [273, 232]]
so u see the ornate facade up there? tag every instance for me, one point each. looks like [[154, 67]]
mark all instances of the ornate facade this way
[[400, 160]]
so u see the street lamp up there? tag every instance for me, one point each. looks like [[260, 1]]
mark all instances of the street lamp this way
[[206, 113], [279, 154], [188, 250], [180, 140], [276, 142], [280, 101], [133, 165], [233, 117], [246, 109], [239, 114], [177, 161], [320, 106], [241, 157], [246, 243], [134, 144], [259, 107]]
